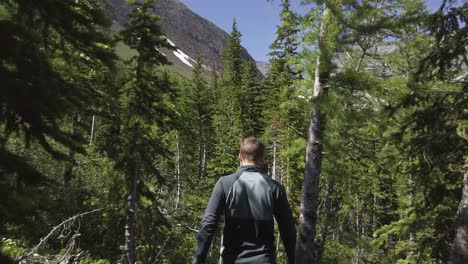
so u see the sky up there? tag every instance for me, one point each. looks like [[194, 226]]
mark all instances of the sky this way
[[256, 19]]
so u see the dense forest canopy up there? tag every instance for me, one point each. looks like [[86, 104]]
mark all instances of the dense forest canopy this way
[[105, 159]]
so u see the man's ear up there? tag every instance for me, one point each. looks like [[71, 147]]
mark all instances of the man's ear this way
[[241, 159]]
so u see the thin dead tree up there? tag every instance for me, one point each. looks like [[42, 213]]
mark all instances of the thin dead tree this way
[[305, 247], [70, 229], [460, 244]]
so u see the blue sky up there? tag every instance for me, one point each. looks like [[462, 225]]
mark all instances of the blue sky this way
[[256, 19]]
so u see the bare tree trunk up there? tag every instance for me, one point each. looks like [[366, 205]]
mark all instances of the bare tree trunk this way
[[374, 218], [410, 200], [460, 243], [275, 126], [68, 174], [204, 163], [91, 138], [305, 246], [357, 258], [273, 167], [177, 173], [129, 247]]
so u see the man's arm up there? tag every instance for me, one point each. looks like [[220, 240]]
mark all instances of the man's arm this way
[[285, 221], [209, 223]]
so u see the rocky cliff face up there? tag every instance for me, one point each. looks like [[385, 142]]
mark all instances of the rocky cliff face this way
[[192, 34], [263, 67]]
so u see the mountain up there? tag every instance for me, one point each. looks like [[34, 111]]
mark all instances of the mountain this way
[[263, 67], [193, 35]]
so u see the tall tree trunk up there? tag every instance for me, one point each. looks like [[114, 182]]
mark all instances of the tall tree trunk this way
[[129, 247], [460, 243], [200, 154], [357, 257], [305, 246], [68, 174], [275, 146], [410, 201], [178, 172], [273, 167], [204, 163], [91, 137]]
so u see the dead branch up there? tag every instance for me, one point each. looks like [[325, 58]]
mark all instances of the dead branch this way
[[65, 226]]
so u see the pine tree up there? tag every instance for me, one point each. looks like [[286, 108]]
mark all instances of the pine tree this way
[[437, 126], [336, 26], [284, 47], [228, 107], [280, 95], [305, 248], [36, 79], [202, 97], [148, 109], [51, 55], [251, 101]]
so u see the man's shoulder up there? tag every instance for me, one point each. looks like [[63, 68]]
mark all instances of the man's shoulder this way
[[230, 178], [275, 184], [270, 179]]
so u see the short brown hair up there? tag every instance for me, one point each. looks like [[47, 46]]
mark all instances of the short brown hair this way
[[252, 150]]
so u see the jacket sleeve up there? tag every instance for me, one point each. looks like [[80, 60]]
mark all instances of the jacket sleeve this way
[[285, 221], [209, 223]]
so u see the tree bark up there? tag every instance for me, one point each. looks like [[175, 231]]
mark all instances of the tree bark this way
[[204, 166], [305, 246], [273, 168], [275, 127], [178, 173], [357, 257], [200, 154], [460, 243], [129, 247], [91, 137], [411, 193]]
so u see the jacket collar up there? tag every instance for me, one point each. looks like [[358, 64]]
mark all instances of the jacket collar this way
[[248, 168]]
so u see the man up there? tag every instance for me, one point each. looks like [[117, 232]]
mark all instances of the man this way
[[248, 200]]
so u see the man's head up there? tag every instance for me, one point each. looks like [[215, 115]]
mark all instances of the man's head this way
[[252, 151]]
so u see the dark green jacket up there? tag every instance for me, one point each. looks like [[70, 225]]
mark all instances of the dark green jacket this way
[[248, 200]]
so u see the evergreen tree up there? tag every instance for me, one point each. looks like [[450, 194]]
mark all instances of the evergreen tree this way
[[51, 55], [148, 108], [283, 124], [339, 26], [391, 115], [202, 97], [251, 101], [431, 127], [228, 107]]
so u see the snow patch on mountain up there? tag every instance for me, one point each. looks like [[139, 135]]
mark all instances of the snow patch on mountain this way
[[170, 42], [183, 57], [186, 59]]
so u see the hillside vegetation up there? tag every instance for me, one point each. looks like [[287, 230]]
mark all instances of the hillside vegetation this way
[[109, 153]]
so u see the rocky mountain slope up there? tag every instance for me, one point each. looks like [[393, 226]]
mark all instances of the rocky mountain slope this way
[[193, 35], [263, 67]]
